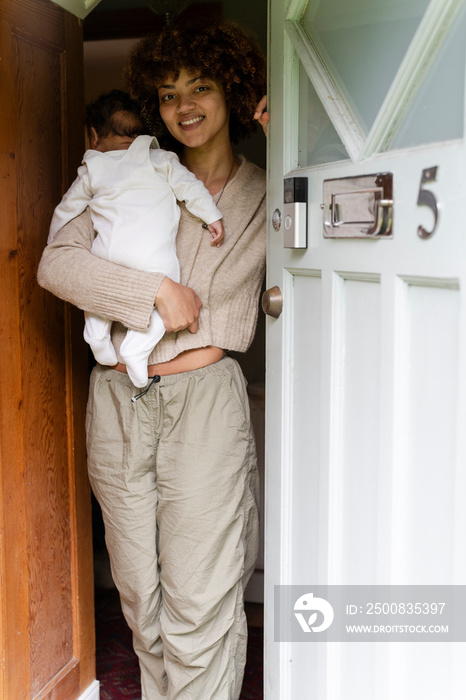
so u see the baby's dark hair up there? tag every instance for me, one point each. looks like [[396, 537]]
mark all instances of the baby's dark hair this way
[[114, 113], [222, 52]]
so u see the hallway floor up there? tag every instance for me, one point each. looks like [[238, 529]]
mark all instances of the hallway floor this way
[[117, 666]]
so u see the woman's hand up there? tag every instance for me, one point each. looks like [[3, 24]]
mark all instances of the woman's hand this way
[[261, 114], [178, 306]]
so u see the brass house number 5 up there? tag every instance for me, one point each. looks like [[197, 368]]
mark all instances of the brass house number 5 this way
[[426, 198]]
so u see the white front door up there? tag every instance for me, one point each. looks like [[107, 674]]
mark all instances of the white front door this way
[[366, 365]]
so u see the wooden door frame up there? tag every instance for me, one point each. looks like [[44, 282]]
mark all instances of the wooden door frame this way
[[40, 21]]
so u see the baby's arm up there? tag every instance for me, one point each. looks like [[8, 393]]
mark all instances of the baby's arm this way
[[189, 189], [73, 203]]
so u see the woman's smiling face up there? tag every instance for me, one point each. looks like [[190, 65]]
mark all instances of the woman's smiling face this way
[[194, 109]]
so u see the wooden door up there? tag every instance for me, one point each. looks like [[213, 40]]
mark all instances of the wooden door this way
[[366, 366], [46, 588]]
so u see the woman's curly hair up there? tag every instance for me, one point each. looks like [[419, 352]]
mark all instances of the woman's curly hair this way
[[224, 52]]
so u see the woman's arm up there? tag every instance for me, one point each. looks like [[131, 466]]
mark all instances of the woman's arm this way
[[70, 271]]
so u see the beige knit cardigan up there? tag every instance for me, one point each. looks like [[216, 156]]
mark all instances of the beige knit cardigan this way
[[226, 279]]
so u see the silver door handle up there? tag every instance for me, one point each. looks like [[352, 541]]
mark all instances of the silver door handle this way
[[358, 207], [383, 218], [380, 226]]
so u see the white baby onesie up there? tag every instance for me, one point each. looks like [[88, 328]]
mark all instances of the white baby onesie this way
[[132, 197]]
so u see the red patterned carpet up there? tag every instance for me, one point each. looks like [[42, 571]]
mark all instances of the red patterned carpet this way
[[117, 666]]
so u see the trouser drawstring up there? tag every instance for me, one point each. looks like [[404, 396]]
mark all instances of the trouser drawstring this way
[[156, 378]]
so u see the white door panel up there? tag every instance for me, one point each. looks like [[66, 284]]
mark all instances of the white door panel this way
[[366, 366]]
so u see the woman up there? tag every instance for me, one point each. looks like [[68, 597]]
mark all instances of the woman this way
[[174, 470]]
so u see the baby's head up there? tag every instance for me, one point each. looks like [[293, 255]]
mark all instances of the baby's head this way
[[113, 121]]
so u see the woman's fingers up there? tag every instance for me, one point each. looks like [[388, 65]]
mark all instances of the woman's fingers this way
[[261, 107], [261, 114], [178, 306]]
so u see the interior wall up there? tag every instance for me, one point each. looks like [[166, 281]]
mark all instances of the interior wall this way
[[103, 65]]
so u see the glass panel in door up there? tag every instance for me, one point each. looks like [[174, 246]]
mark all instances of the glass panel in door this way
[[363, 44]]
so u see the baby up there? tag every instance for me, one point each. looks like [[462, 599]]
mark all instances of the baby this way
[[131, 186]]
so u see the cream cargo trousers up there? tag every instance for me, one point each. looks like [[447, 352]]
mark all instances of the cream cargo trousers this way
[[175, 474]]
